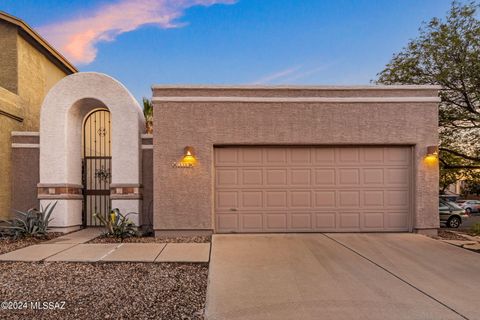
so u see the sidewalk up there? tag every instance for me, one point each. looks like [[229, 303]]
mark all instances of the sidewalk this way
[[73, 248]]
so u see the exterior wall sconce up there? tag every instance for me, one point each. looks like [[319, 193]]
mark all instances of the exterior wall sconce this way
[[189, 155], [432, 154], [188, 160]]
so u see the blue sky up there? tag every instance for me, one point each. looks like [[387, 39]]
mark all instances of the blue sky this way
[[243, 42]]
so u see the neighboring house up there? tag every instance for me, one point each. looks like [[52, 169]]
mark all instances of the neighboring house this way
[[29, 67]]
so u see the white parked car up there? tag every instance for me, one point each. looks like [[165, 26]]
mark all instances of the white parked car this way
[[471, 206]]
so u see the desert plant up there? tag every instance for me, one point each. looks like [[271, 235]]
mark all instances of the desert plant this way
[[148, 114], [476, 229], [32, 222], [118, 225]]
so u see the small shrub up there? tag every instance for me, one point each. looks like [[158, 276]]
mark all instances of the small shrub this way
[[118, 225], [476, 229], [33, 223]]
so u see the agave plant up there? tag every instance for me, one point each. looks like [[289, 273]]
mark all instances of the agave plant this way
[[118, 225], [32, 222]]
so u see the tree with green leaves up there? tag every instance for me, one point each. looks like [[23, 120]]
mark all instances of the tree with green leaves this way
[[447, 53], [148, 114]]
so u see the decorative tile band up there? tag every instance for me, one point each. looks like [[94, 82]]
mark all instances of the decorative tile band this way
[[56, 191], [126, 192]]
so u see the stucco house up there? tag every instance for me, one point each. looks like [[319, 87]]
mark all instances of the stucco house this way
[[240, 159], [29, 67]]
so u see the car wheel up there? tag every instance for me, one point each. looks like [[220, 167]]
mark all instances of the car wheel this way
[[468, 211], [454, 222]]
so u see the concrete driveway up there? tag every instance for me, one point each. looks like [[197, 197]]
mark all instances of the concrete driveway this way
[[341, 276]]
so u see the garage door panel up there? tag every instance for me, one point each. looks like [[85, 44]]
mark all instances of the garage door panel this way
[[276, 177], [251, 156], [276, 156], [252, 177], [300, 199], [373, 177], [397, 220], [226, 156], [325, 220], [251, 199], [397, 198], [397, 176], [300, 156], [348, 177], [373, 155], [275, 221], [348, 155], [227, 199], [281, 189], [397, 156], [325, 199], [324, 156], [300, 177], [348, 199], [373, 220], [275, 199], [300, 221], [373, 198], [227, 222], [325, 177], [251, 222], [349, 220], [226, 177]]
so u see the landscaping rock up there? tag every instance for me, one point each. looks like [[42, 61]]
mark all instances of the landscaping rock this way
[[11, 244], [459, 243], [150, 239], [167, 291], [475, 246]]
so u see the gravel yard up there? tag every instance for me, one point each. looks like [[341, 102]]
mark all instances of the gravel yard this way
[[196, 239], [9, 244], [106, 290], [447, 235]]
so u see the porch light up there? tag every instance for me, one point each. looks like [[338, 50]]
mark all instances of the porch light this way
[[189, 156], [432, 151], [432, 154]]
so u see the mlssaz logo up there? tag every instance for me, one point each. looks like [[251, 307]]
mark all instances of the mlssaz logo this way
[[47, 305]]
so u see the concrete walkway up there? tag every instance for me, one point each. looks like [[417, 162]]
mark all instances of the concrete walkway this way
[[341, 276], [73, 248]]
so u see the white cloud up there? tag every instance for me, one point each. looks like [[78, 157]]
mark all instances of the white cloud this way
[[77, 38], [290, 75]]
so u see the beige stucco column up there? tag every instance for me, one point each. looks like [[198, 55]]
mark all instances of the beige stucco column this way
[[62, 114]]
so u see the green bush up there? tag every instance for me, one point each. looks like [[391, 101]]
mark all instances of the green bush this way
[[476, 229], [33, 223], [118, 225]]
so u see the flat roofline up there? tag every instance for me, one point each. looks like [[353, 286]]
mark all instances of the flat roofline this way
[[298, 87], [38, 38], [299, 99]]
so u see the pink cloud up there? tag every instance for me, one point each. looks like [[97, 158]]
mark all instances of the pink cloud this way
[[77, 38]]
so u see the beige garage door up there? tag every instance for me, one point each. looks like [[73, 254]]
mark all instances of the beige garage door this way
[[306, 189]]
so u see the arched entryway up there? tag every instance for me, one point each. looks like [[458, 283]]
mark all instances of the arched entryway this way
[[62, 117], [96, 165]]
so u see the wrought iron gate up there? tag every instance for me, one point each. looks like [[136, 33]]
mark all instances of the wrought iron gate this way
[[96, 166]]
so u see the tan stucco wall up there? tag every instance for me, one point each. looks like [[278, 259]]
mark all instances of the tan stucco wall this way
[[184, 197], [8, 103], [8, 56], [32, 75]]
